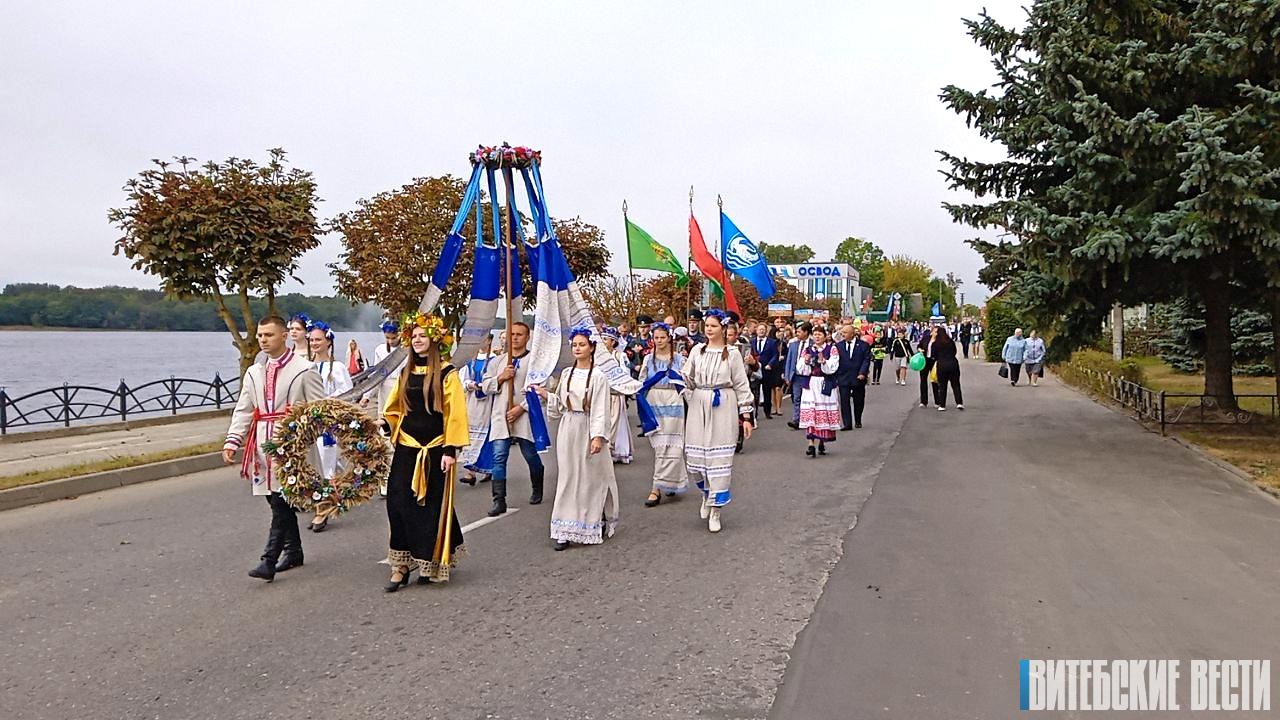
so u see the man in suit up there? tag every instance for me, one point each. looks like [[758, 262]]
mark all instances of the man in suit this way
[[851, 377], [966, 336], [766, 349], [795, 380]]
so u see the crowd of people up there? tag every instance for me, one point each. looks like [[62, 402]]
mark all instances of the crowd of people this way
[[705, 385]]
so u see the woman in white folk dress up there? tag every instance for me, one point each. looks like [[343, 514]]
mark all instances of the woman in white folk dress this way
[[662, 367], [819, 399], [719, 396], [620, 438], [586, 505], [479, 408], [336, 380]]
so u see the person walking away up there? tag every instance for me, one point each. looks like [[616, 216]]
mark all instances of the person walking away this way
[[819, 411], [719, 399], [479, 410], [427, 422], [336, 380], [947, 369], [926, 346], [266, 393], [855, 365], [1015, 348], [505, 380], [1033, 358], [966, 336], [585, 510], [765, 349], [661, 373], [793, 378]]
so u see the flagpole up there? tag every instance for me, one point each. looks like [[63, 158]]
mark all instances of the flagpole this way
[[688, 264], [509, 182], [626, 235]]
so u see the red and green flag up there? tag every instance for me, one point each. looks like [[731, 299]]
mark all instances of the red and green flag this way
[[709, 266]]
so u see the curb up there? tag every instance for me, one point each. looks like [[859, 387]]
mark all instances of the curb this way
[[72, 487]]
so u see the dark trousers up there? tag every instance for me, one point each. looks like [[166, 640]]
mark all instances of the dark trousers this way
[[1015, 370], [877, 366], [853, 398], [940, 388], [924, 382], [964, 345], [764, 391], [284, 528]]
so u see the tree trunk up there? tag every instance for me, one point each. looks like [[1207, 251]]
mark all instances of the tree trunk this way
[[1216, 292], [248, 352]]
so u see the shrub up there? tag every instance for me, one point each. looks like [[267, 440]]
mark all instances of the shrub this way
[[1002, 320], [1085, 367]]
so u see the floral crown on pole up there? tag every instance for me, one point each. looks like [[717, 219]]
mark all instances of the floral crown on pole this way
[[437, 331]]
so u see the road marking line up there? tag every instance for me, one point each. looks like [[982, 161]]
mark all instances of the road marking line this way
[[474, 525]]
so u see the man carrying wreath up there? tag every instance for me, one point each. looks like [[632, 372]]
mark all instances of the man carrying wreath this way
[[266, 392]]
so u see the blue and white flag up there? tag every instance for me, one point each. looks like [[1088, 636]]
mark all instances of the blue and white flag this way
[[741, 257], [937, 309]]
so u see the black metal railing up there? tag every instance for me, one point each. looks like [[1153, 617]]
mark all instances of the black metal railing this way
[[1166, 408], [69, 404]]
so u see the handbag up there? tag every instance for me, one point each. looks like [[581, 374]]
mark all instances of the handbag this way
[[1004, 371]]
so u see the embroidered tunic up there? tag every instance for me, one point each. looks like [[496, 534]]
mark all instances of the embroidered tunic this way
[[479, 408], [266, 392], [718, 393], [669, 473], [586, 505]]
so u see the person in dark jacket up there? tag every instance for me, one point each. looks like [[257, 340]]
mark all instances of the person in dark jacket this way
[[765, 348], [851, 378], [966, 336], [926, 346], [948, 366]]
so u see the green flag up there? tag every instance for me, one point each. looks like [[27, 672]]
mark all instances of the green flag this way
[[645, 253]]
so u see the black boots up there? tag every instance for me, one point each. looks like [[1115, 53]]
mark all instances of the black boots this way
[[292, 554], [284, 526], [536, 497], [499, 497]]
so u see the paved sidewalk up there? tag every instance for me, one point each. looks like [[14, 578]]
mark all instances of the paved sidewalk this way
[[1035, 524], [17, 457]]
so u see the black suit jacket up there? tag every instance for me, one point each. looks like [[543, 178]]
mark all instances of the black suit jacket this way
[[854, 361]]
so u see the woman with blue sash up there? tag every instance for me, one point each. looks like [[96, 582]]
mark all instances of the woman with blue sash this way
[[661, 393]]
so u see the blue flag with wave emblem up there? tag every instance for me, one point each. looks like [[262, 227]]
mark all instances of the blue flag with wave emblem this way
[[741, 257]]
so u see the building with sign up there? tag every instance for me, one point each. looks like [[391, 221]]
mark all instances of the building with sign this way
[[824, 281]]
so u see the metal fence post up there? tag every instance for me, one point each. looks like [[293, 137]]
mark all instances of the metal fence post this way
[[1162, 412], [173, 395], [4, 412], [124, 392], [217, 390], [66, 405]]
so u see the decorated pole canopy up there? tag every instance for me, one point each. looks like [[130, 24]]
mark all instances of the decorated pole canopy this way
[[500, 248]]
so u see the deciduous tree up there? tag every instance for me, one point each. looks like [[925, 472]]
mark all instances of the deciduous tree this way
[[220, 231], [867, 258], [786, 254]]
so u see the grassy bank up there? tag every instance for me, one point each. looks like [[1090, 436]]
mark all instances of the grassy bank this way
[[1253, 447], [59, 473]]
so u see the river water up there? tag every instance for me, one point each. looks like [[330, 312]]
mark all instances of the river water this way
[[35, 360]]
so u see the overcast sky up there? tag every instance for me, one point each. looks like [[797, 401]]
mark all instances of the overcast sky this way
[[814, 120]]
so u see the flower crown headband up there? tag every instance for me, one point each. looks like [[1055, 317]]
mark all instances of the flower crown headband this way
[[583, 331], [434, 325], [322, 327]]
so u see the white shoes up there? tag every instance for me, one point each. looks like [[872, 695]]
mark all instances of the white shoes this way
[[713, 520], [959, 407], [705, 510], [941, 409]]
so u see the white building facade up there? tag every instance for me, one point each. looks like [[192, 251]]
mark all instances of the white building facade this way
[[824, 281]]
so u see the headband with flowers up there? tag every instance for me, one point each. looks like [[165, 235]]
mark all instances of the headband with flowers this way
[[661, 326], [322, 327], [437, 331], [716, 313], [581, 330], [390, 326], [301, 318]]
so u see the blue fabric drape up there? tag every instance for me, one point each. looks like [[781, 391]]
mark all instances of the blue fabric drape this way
[[649, 420]]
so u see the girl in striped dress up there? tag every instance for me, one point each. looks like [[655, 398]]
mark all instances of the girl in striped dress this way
[[669, 474]]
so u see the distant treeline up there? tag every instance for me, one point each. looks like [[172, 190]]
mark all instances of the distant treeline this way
[[121, 308]]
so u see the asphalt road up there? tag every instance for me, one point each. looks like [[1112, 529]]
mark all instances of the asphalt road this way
[[1035, 524], [134, 603]]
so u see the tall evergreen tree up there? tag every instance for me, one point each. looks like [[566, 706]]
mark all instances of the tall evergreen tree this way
[[1141, 158]]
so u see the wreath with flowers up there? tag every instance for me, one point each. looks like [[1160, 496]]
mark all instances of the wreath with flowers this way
[[437, 331], [364, 453], [499, 156]]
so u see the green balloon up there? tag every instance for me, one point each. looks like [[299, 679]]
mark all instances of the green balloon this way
[[917, 362]]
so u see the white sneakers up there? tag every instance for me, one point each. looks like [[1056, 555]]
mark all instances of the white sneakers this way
[[713, 520], [941, 409], [705, 510], [960, 407]]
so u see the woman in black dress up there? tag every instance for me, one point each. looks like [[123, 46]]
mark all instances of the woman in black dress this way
[[427, 420], [947, 366]]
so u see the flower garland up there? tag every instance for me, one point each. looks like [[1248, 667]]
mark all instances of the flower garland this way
[[504, 155], [365, 455], [437, 331]]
